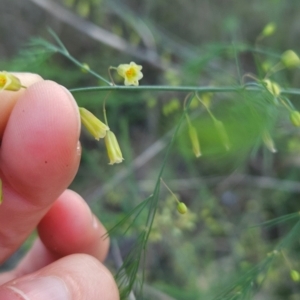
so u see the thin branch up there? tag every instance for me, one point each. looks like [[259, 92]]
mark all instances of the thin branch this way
[[169, 88]]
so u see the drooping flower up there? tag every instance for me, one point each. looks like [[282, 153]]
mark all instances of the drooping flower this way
[[131, 73], [194, 139], [9, 82], [94, 126], [113, 149], [222, 133], [295, 118]]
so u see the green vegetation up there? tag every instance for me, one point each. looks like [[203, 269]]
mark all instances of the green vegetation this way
[[215, 118]]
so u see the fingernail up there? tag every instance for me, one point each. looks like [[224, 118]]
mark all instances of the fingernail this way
[[95, 222], [69, 94], [46, 288], [78, 148]]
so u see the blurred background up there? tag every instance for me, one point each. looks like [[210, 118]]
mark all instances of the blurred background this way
[[227, 191]]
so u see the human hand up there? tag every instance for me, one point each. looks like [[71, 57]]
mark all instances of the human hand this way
[[39, 157]]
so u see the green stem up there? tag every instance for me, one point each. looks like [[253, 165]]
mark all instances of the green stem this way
[[286, 260], [286, 105], [207, 108], [104, 113], [188, 120], [58, 41], [169, 190], [153, 204], [104, 108], [160, 88], [168, 88], [278, 67], [184, 108], [110, 76], [79, 64]]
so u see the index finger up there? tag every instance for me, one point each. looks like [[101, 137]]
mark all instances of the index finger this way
[[39, 158], [9, 99]]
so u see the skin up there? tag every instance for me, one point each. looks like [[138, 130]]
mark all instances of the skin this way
[[39, 157]]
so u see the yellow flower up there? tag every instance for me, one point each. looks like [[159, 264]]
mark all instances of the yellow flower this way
[[94, 126], [131, 73], [113, 149], [9, 82], [194, 139]]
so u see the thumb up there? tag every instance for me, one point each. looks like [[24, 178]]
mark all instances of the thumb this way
[[74, 277]]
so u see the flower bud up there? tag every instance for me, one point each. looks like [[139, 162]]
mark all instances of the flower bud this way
[[272, 87], [94, 126], [295, 275], [269, 29], [290, 59], [195, 142], [85, 68], [113, 149], [181, 208], [9, 82], [295, 118]]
